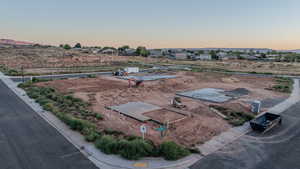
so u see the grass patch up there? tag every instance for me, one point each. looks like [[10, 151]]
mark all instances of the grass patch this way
[[284, 84]]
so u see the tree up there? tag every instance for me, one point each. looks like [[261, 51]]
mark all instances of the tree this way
[[263, 55], [108, 47], [123, 48], [142, 51], [67, 46], [214, 55], [61, 45], [78, 45], [200, 52]]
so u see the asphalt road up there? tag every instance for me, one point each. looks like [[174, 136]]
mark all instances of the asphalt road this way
[[277, 149], [28, 142]]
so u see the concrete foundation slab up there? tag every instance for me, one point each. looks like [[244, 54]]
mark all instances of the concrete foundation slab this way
[[148, 78], [207, 94], [135, 110]]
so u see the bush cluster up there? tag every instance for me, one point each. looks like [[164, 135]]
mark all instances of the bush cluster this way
[[9, 72], [234, 118], [172, 151], [64, 107], [138, 148], [284, 84]]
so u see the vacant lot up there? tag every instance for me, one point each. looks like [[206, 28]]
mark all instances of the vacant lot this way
[[106, 91], [241, 66], [45, 60], [51, 60]]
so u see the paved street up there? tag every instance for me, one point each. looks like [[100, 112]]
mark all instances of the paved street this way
[[28, 142], [278, 149]]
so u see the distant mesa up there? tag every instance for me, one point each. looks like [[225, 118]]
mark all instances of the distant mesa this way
[[14, 42]]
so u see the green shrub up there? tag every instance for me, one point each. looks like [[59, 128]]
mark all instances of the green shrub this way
[[107, 144], [91, 76], [112, 132], [98, 116], [171, 151], [25, 84], [67, 46], [92, 136], [42, 101], [49, 107], [36, 80], [237, 122], [135, 149], [131, 137]]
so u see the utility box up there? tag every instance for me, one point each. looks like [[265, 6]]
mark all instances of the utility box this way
[[255, 106], [131, 69]]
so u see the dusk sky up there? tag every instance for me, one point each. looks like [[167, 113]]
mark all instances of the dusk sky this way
[[154, 23]]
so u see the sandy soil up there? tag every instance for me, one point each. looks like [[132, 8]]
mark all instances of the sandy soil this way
[[32, 58], [201, 126], [292, 68]]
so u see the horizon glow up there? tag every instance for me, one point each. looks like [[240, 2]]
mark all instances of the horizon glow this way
[[154, 24]]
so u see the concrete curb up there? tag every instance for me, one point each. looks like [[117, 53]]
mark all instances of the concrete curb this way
[[100, 159], [233, 134]]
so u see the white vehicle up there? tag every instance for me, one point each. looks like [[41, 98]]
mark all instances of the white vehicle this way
[[131, 69]]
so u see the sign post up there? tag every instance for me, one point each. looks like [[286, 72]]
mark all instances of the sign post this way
[[143, 130]]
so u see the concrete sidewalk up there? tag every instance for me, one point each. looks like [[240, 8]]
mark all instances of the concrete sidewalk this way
[[234, 133], [100, 159]]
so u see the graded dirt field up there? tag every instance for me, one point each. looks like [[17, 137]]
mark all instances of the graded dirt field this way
[[203, 124], [51, 60], [45, 60], [291, 68]]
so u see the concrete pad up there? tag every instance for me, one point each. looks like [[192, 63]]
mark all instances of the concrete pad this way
[[135, 109], [148, 78], [207, 94]]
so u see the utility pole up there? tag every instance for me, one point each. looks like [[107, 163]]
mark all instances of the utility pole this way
[[22, 71]]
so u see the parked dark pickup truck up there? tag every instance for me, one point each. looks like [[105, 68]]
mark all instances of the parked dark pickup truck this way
[[265, 122]]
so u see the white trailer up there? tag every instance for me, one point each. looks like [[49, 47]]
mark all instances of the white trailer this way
[[131, 69]]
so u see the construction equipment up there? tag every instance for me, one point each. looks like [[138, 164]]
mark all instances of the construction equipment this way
[[177, 103], [125, 71], [120, 72]]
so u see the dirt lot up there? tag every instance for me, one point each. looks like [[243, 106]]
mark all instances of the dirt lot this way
[[163, 116], [243, 66], [201, 126], [49, 59], [46, 60]]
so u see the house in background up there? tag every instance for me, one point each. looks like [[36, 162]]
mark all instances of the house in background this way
[[180, 56], [204, 56], [129, 52], [228, 57], [109, 51], [155, 53]]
